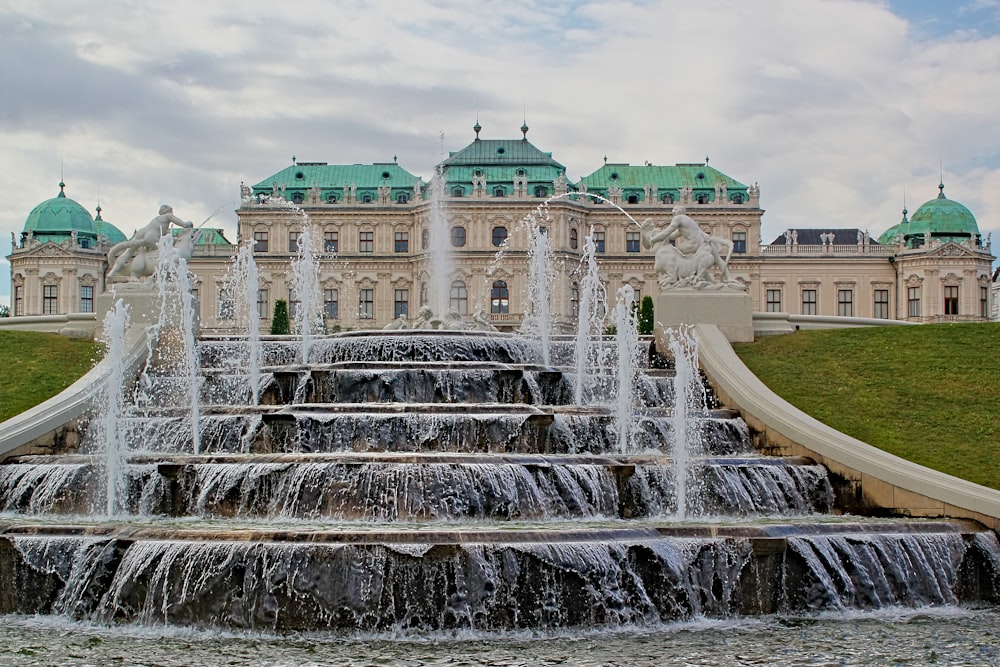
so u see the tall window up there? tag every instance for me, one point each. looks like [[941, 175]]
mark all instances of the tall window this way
[[86, 298], [499, 298], [984, 302], [631, 241], [260, 241], [293, 241], [401, 303], [366, 304], [459, 300], [263, 312], [574, 239], [951, 300], [913, 302], [499, 236], [226, 304], [366, 242], [599, 241], [739, 242], [845, 303], [18, 300], [331, 241], [331, 303], [774, 300], [808, 302], [574, 300], [402, 242], [50, 299], [458, 236], [882, 304]]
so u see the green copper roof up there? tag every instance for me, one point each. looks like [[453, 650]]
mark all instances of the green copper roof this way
[[106, 229], [501, 152], [944, 219], [206, 236], [57, 218], [668, 179], [302, 176]]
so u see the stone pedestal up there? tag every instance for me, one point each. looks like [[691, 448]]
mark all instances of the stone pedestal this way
[[730, 309]]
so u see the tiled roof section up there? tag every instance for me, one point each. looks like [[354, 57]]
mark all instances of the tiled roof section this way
[[497, 152], [812, 236], [305, 175], [666, 178], [206, 236]]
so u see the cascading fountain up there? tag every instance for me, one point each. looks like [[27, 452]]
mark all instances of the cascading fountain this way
[[440, 248], [590, 319], [305, 286], [243, 284], [109, 426]]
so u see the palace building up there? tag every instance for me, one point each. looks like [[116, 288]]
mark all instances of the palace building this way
[[371, 228]]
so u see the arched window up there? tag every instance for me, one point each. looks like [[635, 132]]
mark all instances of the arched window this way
[[297, 198], [499, 236], [458, 237], [667, 198], [574, 239], [499, 298], [459, 298]]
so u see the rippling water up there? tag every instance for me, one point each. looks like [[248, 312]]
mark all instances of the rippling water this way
[[948, 636]]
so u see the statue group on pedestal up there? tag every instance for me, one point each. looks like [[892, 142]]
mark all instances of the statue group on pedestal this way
[[685, 254], [137, 257]]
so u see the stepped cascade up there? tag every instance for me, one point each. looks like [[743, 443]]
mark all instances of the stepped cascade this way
[[413, 481]]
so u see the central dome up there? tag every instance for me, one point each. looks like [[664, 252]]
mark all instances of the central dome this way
[[57, 218], [944, 218]]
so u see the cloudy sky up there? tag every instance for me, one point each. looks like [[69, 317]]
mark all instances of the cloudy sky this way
[[839, 109]]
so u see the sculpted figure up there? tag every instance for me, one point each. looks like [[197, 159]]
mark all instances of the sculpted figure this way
[[685, 255], [481, 322], [453, 321], [135, 252], [426, 320], [397, 324]]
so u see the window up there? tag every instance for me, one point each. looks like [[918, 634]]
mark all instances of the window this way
[[984, 302], [499, 298], [574, 300], [498, 191], [738, 198], [913, 302], [50, 299], [632, 199], [574, 239], [951, 300], [366, 242], [401, 303], [458, 237], [297, 198], [631, 241], [366, 304], [808, 302], [459, 298], [331, 198], [331, 303], [402, 242], [402, 198], [366, 198], [667, 198], [18, 300], [739, 242], [499, 236], [845, 303], [541, 191], [260, 241], [599, 241], [458, 191], [293, 241], [293, 306], [882, 304], [702, 199], [86, 299], [425, 239], [263, 311], [331, 241], [774, 300], [226, 304]]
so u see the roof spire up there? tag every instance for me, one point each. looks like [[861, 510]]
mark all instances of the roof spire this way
[[61, 187], [904, 206], [477, 127], [941, 182]]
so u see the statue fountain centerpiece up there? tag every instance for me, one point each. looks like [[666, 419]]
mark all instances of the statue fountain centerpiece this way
[[139, 256], [692, 269]]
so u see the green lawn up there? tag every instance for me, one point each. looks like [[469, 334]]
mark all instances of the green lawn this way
[[930, 394], [36, 366]]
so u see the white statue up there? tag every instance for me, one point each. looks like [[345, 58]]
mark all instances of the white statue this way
[[135, 252], [481, 322], [426, 319], [685, 254], [397, 324], [453, 321]]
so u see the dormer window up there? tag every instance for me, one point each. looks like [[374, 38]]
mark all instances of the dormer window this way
[[667, 198], [366, 198], [702, 199], [298, 198], [458, 191], [498, 192], [632, 199], [402, 198], [738, 198], [541, 191]]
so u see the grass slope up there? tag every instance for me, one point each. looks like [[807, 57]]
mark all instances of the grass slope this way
[[930, 394], [36, 366]]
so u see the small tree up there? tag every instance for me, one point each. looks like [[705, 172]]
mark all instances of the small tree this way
[[4, 310], [646, 317], [279, 324]]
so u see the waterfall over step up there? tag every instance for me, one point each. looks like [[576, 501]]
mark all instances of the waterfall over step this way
[[411, 482]]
